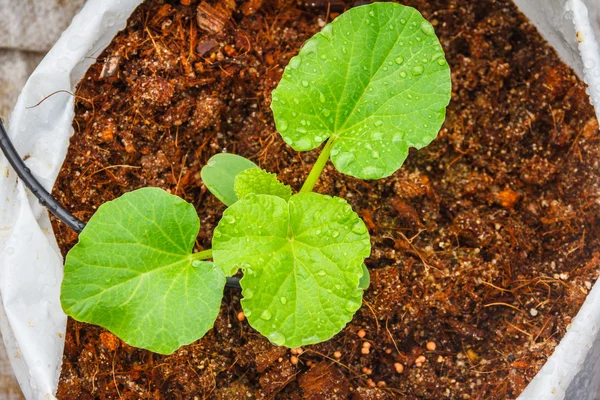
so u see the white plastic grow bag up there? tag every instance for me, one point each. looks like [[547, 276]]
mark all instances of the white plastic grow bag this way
[[31, 319]]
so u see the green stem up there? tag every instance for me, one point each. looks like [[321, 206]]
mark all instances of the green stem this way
[[315, 173], [202, 255]]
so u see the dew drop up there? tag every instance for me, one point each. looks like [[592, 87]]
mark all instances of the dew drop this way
[[417, 70], [318, 232], [283, 300], [303, 143], [335, 234], [338, 286], [230, 219], [247, 313], [295, 62], [402, 74], [427, 28], [399, 60], [196, 263], [371, 13], [345, 159], [301, 130], [305, 83], [283, 125], [277, 338], [266, 315], [378, 123], [352, 306], [322, 98], [322, 273], [441, 62], [326, 112], [375, 154], [344, 50], [248, 294], [288, 140], [217, 234], [323, 57], [359, 228]]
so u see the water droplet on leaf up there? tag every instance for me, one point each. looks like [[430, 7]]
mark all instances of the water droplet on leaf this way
[[427, 28], [417, 70], [266, 315]]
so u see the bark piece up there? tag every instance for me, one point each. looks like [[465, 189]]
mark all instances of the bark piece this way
[[324, 380], [213, 19]]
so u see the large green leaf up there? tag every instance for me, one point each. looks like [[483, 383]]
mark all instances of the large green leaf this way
[[133, 272], [219, 174], [259, 181], [302, 263], [375, 81]]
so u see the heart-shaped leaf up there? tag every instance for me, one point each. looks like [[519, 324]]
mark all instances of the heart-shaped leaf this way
[[375, 81], [219, 174], [258, 181], [302, 262], [133, 272]]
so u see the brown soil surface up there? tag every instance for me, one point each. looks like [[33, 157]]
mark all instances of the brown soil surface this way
[[484, 243]]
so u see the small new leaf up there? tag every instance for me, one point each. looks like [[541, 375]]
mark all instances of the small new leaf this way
[[133, 273], [375, 81], [259, 181], [302, 262], [365, 280], [219, 174]]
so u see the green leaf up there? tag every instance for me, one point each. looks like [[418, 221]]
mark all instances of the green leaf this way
[[375, 81], [133, 272], [259, 181], [301, 261], [365, 280], [219, 174]]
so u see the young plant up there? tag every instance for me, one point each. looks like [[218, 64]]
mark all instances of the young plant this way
[[371, 84]]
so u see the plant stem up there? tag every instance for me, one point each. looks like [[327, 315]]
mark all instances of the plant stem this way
[[203, 255], [315, 173]]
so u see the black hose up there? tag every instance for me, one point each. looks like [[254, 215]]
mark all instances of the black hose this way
[[46, 198], [36, 188]]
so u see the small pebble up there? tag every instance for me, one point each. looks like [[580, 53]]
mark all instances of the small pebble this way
[[431, 346], [371, 383], [388, 351], [294, 360], [366, 370], [241, 316], [361, 334], [472, 355], [337, 354], [533, 312], [381, 384], [366, 345], [365, 350], [399, 368], [420, 360]]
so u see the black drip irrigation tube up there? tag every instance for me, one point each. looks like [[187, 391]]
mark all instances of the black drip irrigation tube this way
[[46, 198]]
